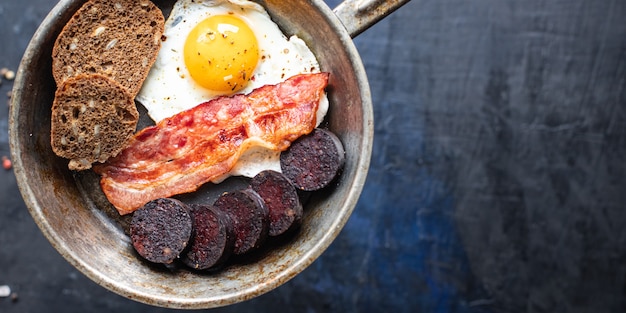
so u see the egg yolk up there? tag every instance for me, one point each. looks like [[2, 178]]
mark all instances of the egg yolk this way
[[221, 53]]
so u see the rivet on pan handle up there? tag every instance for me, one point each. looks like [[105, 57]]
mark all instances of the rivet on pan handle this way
[[359, 15]]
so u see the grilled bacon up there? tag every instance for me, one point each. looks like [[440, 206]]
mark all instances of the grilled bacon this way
[[183, 152]]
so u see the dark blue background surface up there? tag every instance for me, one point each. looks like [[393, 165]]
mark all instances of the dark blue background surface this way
[[497, 177]]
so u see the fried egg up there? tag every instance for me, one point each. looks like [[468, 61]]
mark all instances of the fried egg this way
[[213, 48]]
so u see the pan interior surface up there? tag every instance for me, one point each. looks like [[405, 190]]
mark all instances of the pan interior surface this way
[[74, 215]]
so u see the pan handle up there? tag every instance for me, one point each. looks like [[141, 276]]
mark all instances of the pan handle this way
[[359, 15]]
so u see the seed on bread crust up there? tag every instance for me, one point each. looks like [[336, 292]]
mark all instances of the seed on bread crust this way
[[93, 117]]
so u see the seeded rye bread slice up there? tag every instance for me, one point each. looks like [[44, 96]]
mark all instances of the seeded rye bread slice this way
[[93, 117], [116, 38]]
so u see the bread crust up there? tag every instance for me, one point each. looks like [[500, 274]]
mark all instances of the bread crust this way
[[119, 39], [93, 118]]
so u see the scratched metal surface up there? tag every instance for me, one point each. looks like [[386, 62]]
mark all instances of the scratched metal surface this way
[[497, 179]]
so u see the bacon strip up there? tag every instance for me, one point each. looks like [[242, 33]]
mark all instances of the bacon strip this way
[[182, 152]]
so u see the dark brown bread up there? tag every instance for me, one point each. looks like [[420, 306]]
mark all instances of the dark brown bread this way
[[119, 39], [93, 117]]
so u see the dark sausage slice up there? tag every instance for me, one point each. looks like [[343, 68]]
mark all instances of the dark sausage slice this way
[[212, 238], [160, 230], [281, 199], [249, 216], [313, 161]]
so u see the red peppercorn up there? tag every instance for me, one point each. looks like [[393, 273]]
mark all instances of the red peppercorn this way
[[6, 163]]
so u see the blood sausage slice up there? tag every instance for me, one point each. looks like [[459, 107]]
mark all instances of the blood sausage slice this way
[[160, 230], [250, 218], [181, 153], [313, 161], [212, 238], [281, 199]]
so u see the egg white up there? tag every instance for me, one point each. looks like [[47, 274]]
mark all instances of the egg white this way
[[169, 88]]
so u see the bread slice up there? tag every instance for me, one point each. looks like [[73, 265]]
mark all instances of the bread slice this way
[[119, 39], [93, 117]]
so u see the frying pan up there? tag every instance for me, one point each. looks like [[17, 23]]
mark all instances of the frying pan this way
[[75, 217]]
